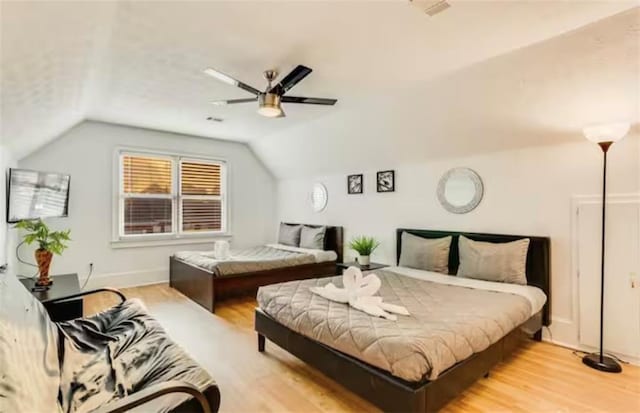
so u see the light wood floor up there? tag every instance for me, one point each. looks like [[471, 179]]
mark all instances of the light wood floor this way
[[539, 378]]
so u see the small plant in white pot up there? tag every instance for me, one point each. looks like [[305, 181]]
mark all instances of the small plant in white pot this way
[[364, 246]]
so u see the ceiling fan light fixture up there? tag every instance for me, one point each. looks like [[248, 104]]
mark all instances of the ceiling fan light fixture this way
[[269, 101], [269, 112], [269, 105]]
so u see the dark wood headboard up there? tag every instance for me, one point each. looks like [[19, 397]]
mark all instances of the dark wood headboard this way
[[332, 240], [538, 257]]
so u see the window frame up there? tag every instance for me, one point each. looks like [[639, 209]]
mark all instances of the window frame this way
[[222, 197], [176, 235]]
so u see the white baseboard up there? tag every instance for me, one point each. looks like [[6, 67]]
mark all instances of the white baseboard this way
[[128, 279], [563, 330], [629, 359], [564, 333]]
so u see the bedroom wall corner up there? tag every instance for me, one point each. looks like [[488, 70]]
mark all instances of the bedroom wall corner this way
[[527, 191], [86, 153]]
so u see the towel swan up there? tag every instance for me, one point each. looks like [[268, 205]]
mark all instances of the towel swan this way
[[359, 292]]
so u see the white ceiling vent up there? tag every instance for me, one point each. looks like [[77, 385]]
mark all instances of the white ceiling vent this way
[[431, 7]]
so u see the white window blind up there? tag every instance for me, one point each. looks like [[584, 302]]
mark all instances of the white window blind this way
[[201, 196], [170, 196]]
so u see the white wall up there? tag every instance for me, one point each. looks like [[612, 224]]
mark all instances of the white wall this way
[[6, 162], [86, 152], [527, 192]]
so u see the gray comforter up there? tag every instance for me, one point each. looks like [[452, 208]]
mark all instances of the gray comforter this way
[[245, 260], [447, 323]]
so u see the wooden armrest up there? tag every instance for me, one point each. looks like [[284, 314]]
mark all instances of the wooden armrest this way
[[88, 292], [153, 392]]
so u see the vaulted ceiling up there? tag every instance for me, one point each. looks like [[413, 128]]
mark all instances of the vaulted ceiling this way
[[464, 80]]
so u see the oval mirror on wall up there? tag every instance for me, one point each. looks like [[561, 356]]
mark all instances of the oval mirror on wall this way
[[319, 197], [460, 190]]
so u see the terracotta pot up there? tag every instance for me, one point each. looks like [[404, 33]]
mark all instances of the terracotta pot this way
[[43, 258]]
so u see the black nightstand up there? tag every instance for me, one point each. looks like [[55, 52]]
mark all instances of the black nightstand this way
[[341, 266], [63, 285]]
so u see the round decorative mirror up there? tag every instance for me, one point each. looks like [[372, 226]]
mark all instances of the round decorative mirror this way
[[460, 190], [319, 197]]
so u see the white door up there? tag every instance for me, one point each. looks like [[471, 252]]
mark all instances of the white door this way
[[622, 271]]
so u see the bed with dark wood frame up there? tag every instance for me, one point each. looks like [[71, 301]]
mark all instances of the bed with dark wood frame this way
[[206, 288], [393, 394]]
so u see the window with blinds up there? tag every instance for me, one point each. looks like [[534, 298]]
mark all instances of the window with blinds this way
[[200, 196], [170, 196]]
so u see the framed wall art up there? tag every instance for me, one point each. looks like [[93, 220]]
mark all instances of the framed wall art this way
[[355, 184], [386, 181]]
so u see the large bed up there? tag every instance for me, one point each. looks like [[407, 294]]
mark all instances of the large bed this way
[[458, 329], [206, 280]]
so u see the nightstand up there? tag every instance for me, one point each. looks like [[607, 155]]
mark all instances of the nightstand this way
[[341, 266], [63, 285]]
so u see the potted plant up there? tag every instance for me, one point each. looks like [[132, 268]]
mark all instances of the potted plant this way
[[49, 243], [364, 246]]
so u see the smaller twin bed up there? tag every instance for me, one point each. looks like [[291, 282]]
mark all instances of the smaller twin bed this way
[[312, 251], [262, 258], [458, 328]]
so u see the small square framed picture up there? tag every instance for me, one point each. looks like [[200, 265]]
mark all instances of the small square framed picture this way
[[385, 181], [354, 184]]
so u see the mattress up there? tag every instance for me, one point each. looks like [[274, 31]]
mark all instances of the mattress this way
[[266, 257], [448, 323]]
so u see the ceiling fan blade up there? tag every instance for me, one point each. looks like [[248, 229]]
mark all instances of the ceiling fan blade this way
[[290, 80], [233, 101], [231, 81], [311, 101]]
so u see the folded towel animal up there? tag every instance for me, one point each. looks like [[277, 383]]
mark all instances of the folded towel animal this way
[[359, 292]]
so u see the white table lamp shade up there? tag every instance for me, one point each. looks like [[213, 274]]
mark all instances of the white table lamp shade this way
[[606, 132]]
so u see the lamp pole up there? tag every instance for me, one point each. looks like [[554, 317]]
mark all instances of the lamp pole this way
[[599, 361]]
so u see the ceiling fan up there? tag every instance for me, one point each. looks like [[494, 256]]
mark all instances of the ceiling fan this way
[[269, 101]]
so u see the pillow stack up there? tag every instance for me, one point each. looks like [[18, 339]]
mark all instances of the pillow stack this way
[[303, 236], [489, 261]]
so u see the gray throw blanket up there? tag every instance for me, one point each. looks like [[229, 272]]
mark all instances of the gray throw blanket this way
[[447, 323], [81, 364], [118, 352]]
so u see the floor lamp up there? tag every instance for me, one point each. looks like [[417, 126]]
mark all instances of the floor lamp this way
[[604, 136]]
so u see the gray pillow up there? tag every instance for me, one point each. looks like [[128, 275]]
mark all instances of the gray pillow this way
[[424, 253], [501, 262], [289, 234], [312, 237]]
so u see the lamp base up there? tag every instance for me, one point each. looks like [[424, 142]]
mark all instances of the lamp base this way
[[606, 364]]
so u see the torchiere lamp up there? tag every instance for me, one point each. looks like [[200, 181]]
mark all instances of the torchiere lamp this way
[[604, 135]]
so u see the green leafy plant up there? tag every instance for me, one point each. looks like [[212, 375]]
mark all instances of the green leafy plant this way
[[364, 245], [38, 231]]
